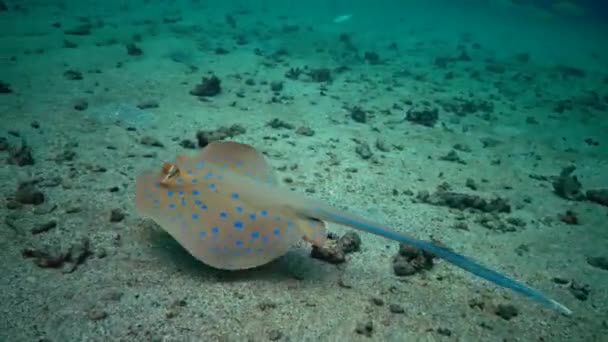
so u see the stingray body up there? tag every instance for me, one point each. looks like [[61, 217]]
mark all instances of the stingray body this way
[[224, 207]]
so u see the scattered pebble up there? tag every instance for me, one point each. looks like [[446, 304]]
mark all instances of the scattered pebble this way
[[27, 193], [205, 137], [44, 227], [274, 335], [20, 155], [600, 262], [567, 185], [599, 196], [506, 311], [365, 328], [411, 260], [116, 215], [579, 290], [423, 115], [134, 50], [209, 86], [396, 308]]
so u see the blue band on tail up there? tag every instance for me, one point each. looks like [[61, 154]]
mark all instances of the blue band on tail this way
[[453, 257]]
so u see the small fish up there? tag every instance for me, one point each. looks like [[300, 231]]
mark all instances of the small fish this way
[[224, 207], [342, 18]]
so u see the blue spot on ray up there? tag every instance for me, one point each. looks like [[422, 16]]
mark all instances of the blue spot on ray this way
[[169, 193], [223, 215], [238, 224], [255, 234], [234, 195], [202, 233], [277, 231], [215, 229], [195, 193], [264, 213], [171, 205], [238, 243], [252, 216], [239, 209], [195, 216]]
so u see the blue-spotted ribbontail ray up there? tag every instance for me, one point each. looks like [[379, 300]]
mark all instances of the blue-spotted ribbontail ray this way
[[224, 207]]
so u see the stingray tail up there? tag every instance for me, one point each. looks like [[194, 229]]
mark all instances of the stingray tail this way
[[444, 253]]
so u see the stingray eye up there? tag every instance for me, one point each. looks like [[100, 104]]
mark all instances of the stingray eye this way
[[170, 171]]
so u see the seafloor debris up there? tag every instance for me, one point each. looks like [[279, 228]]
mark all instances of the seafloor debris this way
[[320, 75], [205, 137], [423, 115], [464, 201], [569, 217], [5, 88], [28, 193], [579, 290], [599, 196], [209, 86], [133, 49], [411, 260], [600, 262], [567, 185], [55, 257], [20, 155], [358, 115], [334, 251]]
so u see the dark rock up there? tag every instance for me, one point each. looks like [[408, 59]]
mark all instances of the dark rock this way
[[453, 157], [44, 227], [27, 193], [20, 155], [411, 260], [80, 30], [305, 131], [276, 86], [147, 104], [372, 57], [187, 143], [293, 73], [600, 262], [5, 88], [116, 215], [69, 44], [277, 123], [73, 75], [4, 145], [330, 252], [81, 104], [204, 137], [569, 217], [570, 72], [320, 75], [580, 291], [364, 151], [358, 115], [210, 86], [150, 141], [350, 242], [396, 308], [3, 6], [465, 106], [365, 328], [567, 185], [465, 201], [423, 115], [599, 196], [133, 50], [506, 311]]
